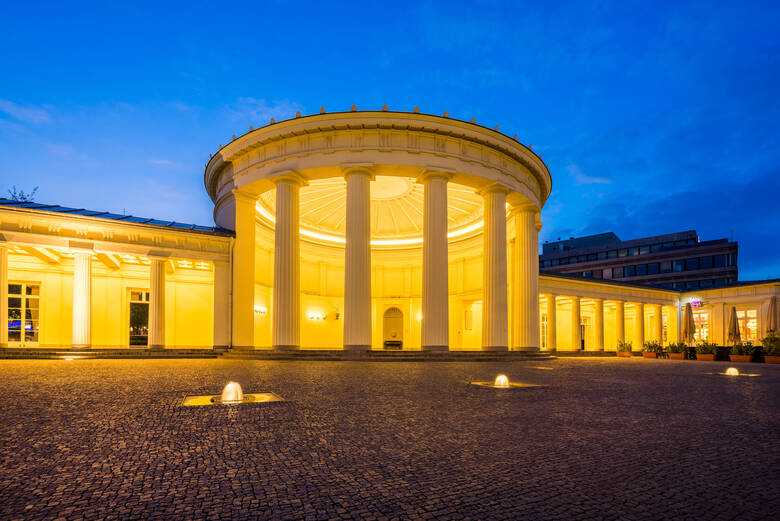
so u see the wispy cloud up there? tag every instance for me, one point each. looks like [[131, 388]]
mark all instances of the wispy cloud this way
[[261, 111], [584, 179], [66, 150], [28, 114], [163, 162]]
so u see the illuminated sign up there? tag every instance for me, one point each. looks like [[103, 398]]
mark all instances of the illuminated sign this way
[[695, 303]]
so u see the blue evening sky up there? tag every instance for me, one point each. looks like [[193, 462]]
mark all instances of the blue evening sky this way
[[654, 117]]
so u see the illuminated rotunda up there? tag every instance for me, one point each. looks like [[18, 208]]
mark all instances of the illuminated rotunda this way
[[354, 230]]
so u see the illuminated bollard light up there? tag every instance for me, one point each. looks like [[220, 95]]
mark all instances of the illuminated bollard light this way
[[732, 371]]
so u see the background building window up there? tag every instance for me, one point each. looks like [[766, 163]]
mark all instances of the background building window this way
[[748, 324], [692, 264], [652, 268], [702, 321]]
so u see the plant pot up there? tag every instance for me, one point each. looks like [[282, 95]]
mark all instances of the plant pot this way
[[677, 356], [740, 358], [772, 359], [624, 354], [705, 357], [649, 355]]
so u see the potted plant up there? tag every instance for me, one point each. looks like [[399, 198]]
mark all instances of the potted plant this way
[[742, 351], [677, 351], [651, 349], [771, 347], [624, 349], [706, 350]]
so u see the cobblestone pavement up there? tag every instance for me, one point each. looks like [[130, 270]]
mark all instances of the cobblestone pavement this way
[[604, 439]]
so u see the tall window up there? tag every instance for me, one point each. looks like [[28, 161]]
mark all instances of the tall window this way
[[139, 318], [748, 324], [543, 330], [665, 336], [702, 321], [23, 313]]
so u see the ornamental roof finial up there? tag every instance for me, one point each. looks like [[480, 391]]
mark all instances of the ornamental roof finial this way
[[322, 110], [297, 113], [384, 108], [353, 108], [446, 113], [416, 110]]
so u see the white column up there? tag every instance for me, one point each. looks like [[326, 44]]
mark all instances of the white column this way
[[620, 322], [552, 326], [598, 325], [435, 297], [157, 303], [82, 297], [495, 330], [576, 321], [221, 305], [243, 314], [639, 326], [659, 324], [287, 277], [4, 295], [357, 262], [525, 287]]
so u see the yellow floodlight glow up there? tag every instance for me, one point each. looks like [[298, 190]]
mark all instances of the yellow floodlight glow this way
[[335, 239], [501, 381], [732, 371]]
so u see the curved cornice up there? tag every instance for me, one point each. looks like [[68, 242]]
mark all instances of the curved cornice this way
[[300, 127]]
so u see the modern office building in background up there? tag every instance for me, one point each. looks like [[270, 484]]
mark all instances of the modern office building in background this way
[[675, 261]]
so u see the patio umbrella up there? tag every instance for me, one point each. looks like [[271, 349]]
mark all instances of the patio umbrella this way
[[771, 319], [688, 325], [733, 328]]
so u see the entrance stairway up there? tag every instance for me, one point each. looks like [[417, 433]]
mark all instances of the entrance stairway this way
[[384, 356], [60, 354]]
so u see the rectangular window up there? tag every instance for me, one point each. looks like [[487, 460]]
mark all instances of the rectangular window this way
[[732, 259], [665, 329], [705, 263], [139, 318], [644, 250], [633, 251], [655, 248], [678, 285], [554, 262], [679, 265], [612, 254], [587, 274], [692, 264], [691, 241], [706, 283], [692, 284], [666, 267], [607, 273], [668, 245], [701, 320], [679, 243], [748, 325], [623, 252], [543, 330], [629, 271], [467, 319], [652, 268], [641, 270], [591, 256], [602, 255], [719, 261], [617, 273], [596, 274], [563, 261], [23, 313]]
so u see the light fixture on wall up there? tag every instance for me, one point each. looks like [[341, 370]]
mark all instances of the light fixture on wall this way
[[316, 316], [261, 310]]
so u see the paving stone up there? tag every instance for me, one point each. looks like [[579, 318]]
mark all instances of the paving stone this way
[[602, 439]]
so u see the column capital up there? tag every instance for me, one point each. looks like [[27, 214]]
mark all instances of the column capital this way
[[493, 187], [243, 195], [290, 176], [523, 208], [366, 169], [432, 172]]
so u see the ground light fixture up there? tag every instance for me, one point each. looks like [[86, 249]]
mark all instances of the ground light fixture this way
[[232, 394], [502, 382], [733, 371]]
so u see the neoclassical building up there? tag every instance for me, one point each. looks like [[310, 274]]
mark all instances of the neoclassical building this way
[[349, 230]]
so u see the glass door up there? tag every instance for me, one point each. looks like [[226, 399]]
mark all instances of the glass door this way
[[139, 318], [23, 314]]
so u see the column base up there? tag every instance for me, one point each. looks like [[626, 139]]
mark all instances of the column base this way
[[357, 347], [495, 348], [221, 347], [438, 349], [157, 347], [287, 348], [81, 346], [526, 349], [242, 348]]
